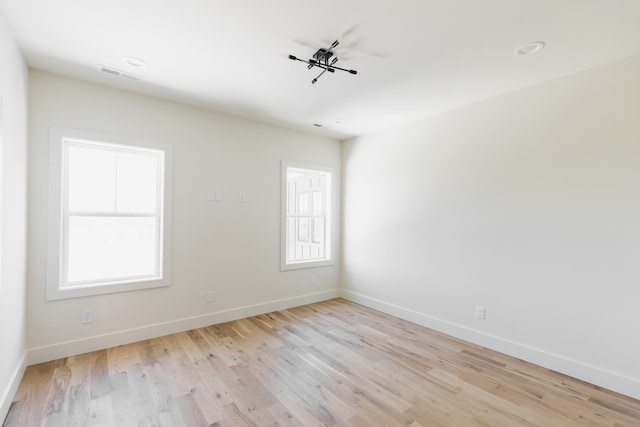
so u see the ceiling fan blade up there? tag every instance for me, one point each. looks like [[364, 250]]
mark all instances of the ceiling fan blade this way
[[305, 43], [348, 32]]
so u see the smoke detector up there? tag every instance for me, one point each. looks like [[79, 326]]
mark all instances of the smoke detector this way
[[529, 48], [134, 62]]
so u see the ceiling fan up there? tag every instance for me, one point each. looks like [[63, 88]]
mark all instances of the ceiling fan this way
[[324, 59]]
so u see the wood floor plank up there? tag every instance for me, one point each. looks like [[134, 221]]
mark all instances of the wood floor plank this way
[[101, 414], [187, 413], [283, 417], [57, 402], [333, 363], [120, 357], [79, 405], [36, 390], [99, 377]]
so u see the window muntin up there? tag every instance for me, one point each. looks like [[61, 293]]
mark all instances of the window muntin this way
[[306, 229], [109, 223]]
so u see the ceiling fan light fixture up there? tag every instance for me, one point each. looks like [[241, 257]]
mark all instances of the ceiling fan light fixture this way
[[323, 59], [529, 48]]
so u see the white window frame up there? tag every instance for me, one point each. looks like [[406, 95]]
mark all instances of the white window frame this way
[[56, 289], [330, 192], [1, 189]]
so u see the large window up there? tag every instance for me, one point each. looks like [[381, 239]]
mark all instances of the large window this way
[[109, 214], [306, 217]]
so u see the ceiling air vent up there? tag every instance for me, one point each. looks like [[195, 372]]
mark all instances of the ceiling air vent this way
[[118, 73], [130, 76]]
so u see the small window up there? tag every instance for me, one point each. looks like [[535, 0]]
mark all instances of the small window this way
[[109, 214], [306, 216]]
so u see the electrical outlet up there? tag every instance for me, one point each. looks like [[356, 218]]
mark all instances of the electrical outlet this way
[[86, 317], [481, 312], [313, 281], [210, 296]]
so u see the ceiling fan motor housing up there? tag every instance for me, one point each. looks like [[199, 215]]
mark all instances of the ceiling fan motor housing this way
[[323, 55]]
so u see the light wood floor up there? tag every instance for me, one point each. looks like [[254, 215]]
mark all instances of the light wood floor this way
[[333, 363]]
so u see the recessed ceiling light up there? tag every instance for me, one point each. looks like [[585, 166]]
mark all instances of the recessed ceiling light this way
[[318, 125], [134, 62], [529, 48], [339, 121]]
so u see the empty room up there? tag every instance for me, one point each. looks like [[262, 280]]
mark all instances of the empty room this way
[[292, 213]]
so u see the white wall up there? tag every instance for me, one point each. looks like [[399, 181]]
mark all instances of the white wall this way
[[527, 204], [13, 197], [228, 247]]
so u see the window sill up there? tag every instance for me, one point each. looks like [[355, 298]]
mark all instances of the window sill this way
[[306, 264], [102, 289]]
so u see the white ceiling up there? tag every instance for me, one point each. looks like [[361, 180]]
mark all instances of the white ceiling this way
[[415, 57]]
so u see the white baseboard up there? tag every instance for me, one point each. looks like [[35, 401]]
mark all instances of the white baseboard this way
[[85, 345], [576, 369], [12, 387]]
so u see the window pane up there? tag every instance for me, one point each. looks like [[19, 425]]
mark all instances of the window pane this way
[[103, 248], [303, 204], [318, 230], [91, 179], [303, 229], [317, 203], [291, 198], [291, 239], [137, 182]]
